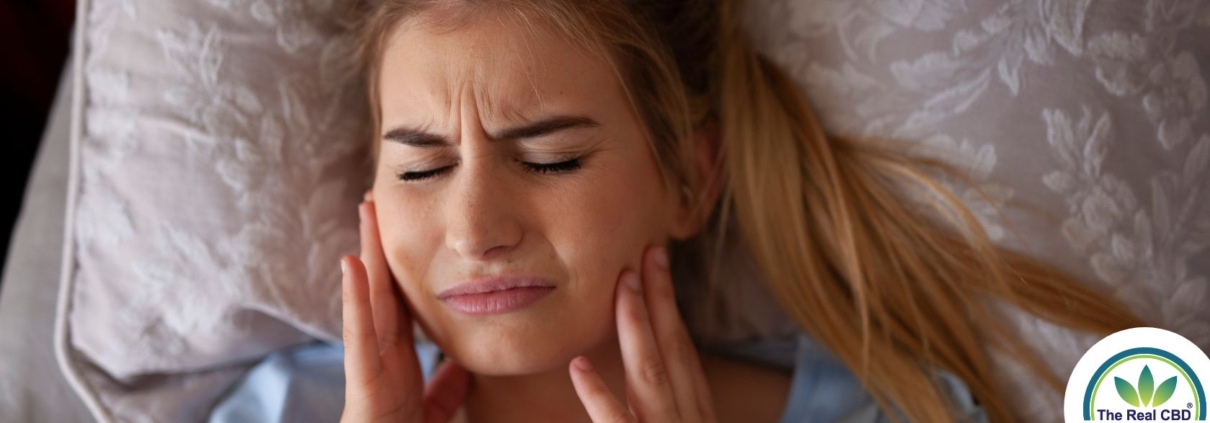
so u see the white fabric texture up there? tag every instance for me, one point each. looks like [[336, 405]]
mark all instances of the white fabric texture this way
[[215, 178], [32, 389], [1085, 121], [215, 167]]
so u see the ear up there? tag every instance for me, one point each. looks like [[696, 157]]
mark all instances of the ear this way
[[706, 182]]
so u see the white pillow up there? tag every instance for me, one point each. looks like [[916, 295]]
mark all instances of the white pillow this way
[[214, 181]]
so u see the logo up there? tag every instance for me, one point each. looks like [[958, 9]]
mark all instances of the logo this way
[[1140, 374]]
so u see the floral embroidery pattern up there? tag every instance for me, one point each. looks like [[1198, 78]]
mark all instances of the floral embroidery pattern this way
[[1092, 115], [218, 177]]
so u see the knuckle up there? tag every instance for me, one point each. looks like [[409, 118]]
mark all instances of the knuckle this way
[[360, 392], [655, 373], [349, 336], [682, 352]]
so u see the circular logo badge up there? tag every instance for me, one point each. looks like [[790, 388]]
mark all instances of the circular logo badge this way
[[1140, 374]]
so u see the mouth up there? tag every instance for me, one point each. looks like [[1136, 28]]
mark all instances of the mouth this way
[[495, 295]]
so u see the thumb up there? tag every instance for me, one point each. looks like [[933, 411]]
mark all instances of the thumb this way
[[446, 392]]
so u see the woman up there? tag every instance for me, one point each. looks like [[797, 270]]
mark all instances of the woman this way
[[526, 155]]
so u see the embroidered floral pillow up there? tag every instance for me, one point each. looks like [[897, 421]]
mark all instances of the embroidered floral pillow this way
[[1087, 122], [215, 177]]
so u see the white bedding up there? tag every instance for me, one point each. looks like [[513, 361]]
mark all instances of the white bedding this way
[[32, 389]]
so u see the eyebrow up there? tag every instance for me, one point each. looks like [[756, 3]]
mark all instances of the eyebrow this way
[[419, 138]]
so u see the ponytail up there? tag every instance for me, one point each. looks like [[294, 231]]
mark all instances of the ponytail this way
[[892, 291]]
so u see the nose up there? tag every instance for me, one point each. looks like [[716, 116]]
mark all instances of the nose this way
[[482, 220]]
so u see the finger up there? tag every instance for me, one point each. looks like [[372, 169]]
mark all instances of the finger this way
[[445, 392], [385, 301], [392, 322], [672, 338], [361, 345], [649, 391], [602, 405]]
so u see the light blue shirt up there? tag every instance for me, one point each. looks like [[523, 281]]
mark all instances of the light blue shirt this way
[[306, 384]]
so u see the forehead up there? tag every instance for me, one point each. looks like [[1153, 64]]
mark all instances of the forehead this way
[[511, 65]]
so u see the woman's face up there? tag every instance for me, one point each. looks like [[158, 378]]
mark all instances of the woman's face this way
[[513, 186]]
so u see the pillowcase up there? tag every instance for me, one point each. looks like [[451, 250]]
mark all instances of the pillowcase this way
[[216, 168], [1086, 122]]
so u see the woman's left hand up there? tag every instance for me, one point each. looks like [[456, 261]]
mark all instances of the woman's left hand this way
[[664, 379]]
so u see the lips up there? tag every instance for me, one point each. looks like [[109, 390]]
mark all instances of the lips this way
[[495, 295]]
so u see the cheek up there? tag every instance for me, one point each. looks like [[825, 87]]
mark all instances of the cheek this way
[[614, 213], [408, 247], [411, 240], [602, 224]]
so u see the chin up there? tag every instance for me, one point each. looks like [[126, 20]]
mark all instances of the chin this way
[[510, 358], [513, 348]]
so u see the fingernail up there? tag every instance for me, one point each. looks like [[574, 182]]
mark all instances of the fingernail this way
[[369, 195], [582, 363], [631, 279], [661, 257], [344, 268]]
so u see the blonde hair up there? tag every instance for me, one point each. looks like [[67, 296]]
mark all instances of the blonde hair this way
[[860, 244]]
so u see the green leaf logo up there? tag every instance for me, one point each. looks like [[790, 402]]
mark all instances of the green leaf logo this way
[[1164, 391], [1126, 391], [1146, 386], [1147, 395]]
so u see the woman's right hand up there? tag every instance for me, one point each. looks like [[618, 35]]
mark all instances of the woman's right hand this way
[[383, 379]]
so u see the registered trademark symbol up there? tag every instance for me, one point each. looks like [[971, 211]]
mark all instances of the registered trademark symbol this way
[[1189, 405]]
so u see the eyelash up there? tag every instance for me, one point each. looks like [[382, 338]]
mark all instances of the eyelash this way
[[418, 176], [559, 167], [566, 166]]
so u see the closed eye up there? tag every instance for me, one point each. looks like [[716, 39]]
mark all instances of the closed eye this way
[[559, 167], [565, 166], [425, 174]]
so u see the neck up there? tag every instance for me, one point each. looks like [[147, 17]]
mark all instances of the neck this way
[[541, 397]]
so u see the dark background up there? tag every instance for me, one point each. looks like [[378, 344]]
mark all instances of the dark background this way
[[34, 40]]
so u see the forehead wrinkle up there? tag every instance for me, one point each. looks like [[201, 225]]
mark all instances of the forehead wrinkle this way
[[494, 94], [529, 49], [462, 110], [501, 93]]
